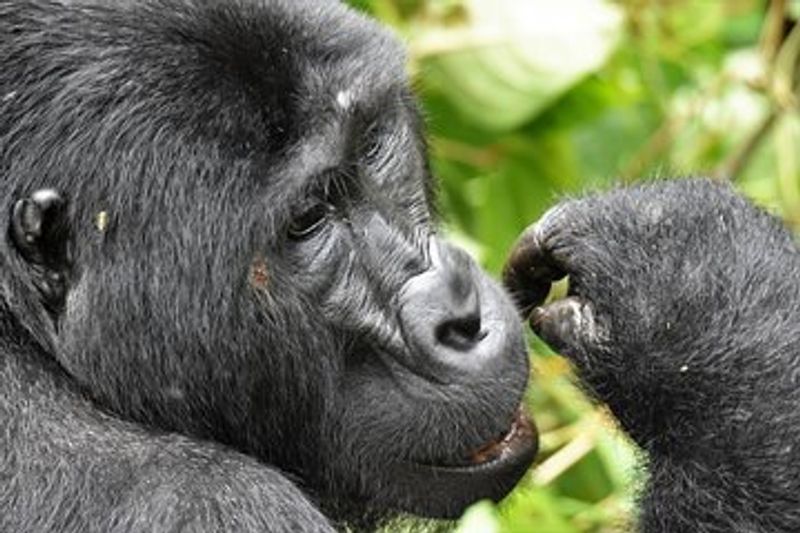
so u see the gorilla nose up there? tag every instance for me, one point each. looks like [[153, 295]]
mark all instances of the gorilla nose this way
[[443, 317], [459, 327]]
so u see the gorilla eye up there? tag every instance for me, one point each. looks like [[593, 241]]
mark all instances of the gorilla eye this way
[[373, 142], [309, 222], [373, 148]]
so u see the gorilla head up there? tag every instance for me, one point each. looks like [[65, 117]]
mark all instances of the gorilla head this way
[[241, 247]]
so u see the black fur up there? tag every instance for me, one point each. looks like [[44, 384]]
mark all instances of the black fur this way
[[224, 306], [684, 316]]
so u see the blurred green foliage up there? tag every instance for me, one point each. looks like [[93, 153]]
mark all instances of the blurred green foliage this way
[[531, 100]]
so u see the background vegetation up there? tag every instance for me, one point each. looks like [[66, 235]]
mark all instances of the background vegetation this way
[[530, 100]]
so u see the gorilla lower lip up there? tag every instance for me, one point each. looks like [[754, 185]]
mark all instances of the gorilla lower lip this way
[[489, 473], [521, 432]]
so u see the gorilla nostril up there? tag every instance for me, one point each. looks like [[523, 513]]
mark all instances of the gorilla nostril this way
[[461, 334]]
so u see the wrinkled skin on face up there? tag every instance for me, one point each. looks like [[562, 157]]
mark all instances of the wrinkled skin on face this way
[[247, 253]]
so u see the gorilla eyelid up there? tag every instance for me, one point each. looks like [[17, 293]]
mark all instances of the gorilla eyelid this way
[[376, 138], [373, 146], [310, 221]]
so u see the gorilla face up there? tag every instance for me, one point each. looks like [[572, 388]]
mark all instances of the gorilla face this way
[[429, 366], [254, 260]]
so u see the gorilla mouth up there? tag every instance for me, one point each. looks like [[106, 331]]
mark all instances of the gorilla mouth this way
[[520, 437], [488, 472]]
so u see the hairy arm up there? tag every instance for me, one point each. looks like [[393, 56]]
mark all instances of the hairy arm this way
[[683, 315], [67, 467]]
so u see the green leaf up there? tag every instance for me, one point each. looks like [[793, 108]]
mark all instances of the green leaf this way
[[480, 518], [515, 57], [536, 509]]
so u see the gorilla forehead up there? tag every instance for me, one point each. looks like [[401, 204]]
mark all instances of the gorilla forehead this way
[[297, 62], [264, 71], [314, 59]]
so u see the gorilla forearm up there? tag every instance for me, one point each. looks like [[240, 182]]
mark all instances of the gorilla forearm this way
[[683, 317], [80, 470]]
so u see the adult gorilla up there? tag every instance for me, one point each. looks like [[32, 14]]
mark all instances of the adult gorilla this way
[[224, 306]]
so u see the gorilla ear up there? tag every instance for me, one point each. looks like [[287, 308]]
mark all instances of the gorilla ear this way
[[40, 233]]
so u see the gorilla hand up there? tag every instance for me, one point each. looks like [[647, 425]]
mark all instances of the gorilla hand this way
[[682, 315], [675, 289]]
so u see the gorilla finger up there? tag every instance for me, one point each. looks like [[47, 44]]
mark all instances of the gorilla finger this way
[[565, 325], [530, 270]]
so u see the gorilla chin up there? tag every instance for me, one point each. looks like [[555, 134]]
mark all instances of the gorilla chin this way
[[489, 473]]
